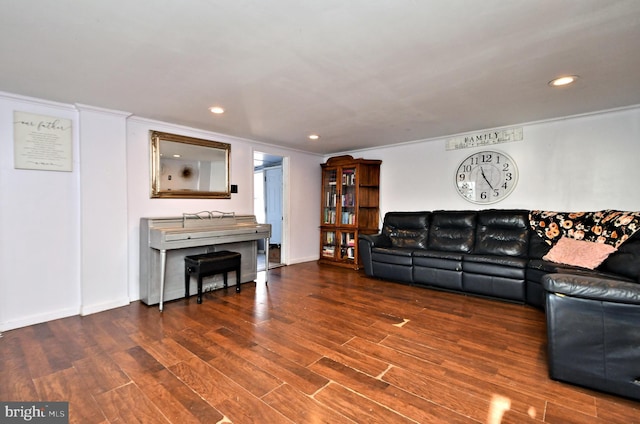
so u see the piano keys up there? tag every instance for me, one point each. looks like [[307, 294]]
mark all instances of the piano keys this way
[[164, 242]]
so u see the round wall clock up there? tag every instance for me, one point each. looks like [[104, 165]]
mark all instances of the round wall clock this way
[[486, 177]]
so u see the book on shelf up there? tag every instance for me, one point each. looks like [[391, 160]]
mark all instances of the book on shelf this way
[[348, 177], [332, 178], [329, 238], [330, 199], [351, 252], [347, 253], [348, 200], [348, 218], [348, 239], [328, 250], [329, 216]]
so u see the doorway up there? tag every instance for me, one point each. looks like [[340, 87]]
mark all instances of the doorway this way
[[268, 198]]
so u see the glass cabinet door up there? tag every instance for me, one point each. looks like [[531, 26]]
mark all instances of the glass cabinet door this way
[[347, 245], [329, 244], [330, 196], [348, 197]]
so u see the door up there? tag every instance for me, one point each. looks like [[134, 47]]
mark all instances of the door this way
[[270, 204], [273, 202]]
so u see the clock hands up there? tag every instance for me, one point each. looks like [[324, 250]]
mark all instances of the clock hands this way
[[485, 178]]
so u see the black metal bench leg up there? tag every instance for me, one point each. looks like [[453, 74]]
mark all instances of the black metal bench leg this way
[[237, 280], [199, 288], [187, 275]]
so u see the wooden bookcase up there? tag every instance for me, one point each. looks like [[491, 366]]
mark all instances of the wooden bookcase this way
[[349, 207]]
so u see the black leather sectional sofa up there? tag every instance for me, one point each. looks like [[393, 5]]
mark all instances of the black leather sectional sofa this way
[[498, 254]]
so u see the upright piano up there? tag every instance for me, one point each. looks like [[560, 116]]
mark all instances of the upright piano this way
[[164, 242]]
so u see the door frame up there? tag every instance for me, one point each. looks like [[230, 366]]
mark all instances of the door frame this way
[[286, 202]]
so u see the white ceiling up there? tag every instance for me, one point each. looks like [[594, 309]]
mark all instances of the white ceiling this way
[[360, 73]]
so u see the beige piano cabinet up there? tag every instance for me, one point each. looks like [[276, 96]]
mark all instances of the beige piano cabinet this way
[[237, 234]]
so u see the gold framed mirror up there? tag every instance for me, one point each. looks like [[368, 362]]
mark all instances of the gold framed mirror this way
[[189, 168]]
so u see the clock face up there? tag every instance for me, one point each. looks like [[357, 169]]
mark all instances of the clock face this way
[[486, 177]]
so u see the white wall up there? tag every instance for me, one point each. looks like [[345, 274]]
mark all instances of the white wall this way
[[39, 230], [69, 241], [581, 163], [103, 209]]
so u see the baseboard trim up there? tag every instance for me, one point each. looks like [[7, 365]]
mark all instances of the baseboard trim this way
[[302, 260], [37, 319], [92, 309]]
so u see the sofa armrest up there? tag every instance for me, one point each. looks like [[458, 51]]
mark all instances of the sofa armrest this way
[[376, 240], [366, 242], [595, 288]]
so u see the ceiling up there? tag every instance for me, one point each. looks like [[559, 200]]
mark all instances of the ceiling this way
[[360, 73]]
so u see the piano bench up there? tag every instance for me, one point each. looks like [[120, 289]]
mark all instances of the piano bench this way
[[207, 264]]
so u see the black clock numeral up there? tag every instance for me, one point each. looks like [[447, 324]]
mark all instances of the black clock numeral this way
[[505, 167], [504, 186], [496, 192], [508, 176], [486, 158], [483, 195], [462, 177]]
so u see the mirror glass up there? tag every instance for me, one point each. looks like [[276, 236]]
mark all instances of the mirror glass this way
[[187, 167]]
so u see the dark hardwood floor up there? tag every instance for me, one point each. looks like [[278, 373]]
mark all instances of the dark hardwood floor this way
[[319, 344]]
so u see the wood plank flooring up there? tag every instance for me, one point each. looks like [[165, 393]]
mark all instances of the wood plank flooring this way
[[319, 344]]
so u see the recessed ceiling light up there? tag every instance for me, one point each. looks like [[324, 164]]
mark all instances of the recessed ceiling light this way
[[314, 136], [562, 81], [176, 156], [216, 109]]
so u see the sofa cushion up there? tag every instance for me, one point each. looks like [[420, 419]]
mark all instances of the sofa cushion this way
[[452, 231], [407, 229], [452, 256], [499, 266], [586, 254], [546, 267], [393, 272], [392, 255], [502, 232], [438, 260], [538, 247], [504, 287], [506, 261]]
